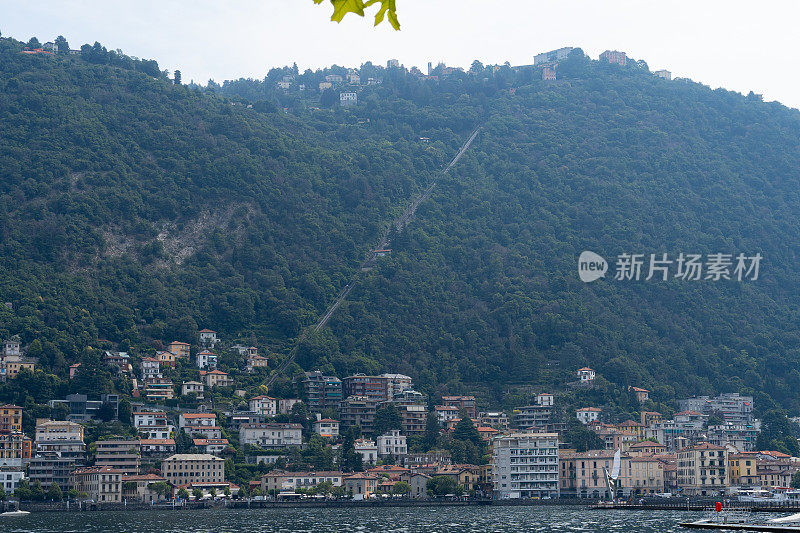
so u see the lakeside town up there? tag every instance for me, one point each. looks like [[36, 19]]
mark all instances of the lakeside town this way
[[190, 431]]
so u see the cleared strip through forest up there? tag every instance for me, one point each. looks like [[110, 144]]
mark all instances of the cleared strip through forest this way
[[399, 223]]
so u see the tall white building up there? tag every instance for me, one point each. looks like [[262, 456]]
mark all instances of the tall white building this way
[[525, 465]]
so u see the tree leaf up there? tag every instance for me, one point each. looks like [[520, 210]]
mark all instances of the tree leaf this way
[[343, 7]]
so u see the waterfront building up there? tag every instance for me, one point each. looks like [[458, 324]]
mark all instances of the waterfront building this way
[[647, 475], [50, 467], [583, 474], [103, 484], [702, 469], [289, 481], [139, 487], [468, 476], [120, 454], [271, 435], [10, 478], [525, 465], [418, 483], [183, 468], [361, 486]]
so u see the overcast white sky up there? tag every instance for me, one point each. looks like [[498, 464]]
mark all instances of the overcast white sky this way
[[738, 45]]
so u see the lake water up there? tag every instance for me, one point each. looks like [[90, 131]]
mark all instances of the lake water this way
[[356, 520]]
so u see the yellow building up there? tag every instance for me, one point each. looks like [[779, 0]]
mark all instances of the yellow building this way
[[647, 475], [631, 426], [11, 365], [645, 448], [702, 469], [179, 349], [10, 418], [166, 359], [743, 469]]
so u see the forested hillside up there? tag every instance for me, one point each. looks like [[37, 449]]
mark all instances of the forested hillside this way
[[136, 210]]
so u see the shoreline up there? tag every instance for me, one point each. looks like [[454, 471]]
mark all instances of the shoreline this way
[[594, 505]]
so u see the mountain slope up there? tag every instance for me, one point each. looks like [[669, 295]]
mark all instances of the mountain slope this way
[[134, 210]]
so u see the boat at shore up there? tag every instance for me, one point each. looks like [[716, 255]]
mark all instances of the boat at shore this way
[[12, 514], [741, 522]]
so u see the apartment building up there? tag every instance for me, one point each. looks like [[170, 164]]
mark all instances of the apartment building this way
[[583, 474], [271, 435], [319, 391], [183, 468], [462, 403], [525, 465], [103, 484], [702, 469], [10, 417], [119, 454], [290, 481]]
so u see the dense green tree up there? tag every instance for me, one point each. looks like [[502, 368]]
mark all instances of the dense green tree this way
[[465, 430], [441, 485], [54, 493], [387, 417], [581, 437], [62, 45], [778, 433]]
